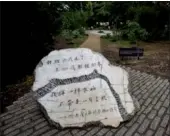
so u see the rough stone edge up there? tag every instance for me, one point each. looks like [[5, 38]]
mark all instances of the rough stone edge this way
[[125, 115]]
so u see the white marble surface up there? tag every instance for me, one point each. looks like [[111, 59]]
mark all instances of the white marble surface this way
[[75, 104]]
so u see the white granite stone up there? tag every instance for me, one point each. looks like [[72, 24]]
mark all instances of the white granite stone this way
[[78, 86]]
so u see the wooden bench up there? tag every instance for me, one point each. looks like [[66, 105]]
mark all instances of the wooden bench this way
[[131, 52]]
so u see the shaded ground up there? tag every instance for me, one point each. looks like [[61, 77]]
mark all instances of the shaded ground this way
[[156, 58], [12, 92]]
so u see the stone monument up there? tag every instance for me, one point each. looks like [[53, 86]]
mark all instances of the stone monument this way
[[78, 87]]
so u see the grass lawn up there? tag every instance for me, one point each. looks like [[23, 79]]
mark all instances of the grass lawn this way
[[120, 43], [76, 42]]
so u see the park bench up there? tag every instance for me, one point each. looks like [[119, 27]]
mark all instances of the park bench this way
[[131, 52]]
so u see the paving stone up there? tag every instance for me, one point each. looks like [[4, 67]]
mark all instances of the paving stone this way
[[14, 133], [163, 97], [132, 129], [149, 133], [121, 131], [81, 133], [6, 117], [166, 103], [45, 123], [68, 134], [147, 101], [15, 118], [141, 110], [152, 114], [50, 132], [132, 121], [141, 118], [40, 116], [141, 101], [146, 95], [40, 131], [168, 130], [115, 129], [165, 121], [155, 123], [75, 131], [61, 133], [160, 132], [148, 109], [136, 134], [32, 124], [11, 124], [92, 132], [144, 126], [102, 132], [161, 111], [16, 126], [32, 115], [26, 133], [110, 133]]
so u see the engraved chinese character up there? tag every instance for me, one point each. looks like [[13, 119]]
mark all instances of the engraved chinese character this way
[[49, 62], [61, 93], [86, 65], [111, 109], [99, 64], [103, 98], [69, 103], [61, 103], [93, 88], [73, 67], [57, 69], [90, 99], [76, 58], [93, 64], [77, 101], [104, 110], [64, 60], [70, 59], [56, 61], [79, 66], [53, 94], [94, 112], [78, 90], [77, 115], [89, 112], [70, 116], [81, 57], [85, 90], [99, 111], [64, 69], [97, 99]]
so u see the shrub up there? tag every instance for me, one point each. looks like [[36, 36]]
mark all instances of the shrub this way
[[81, 31], [134, 32], [76, 33], [108, 35], [67, 35], [114, 38], [100, 31]]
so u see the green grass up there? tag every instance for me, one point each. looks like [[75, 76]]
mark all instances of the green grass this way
[[76, 42], [120, 43]]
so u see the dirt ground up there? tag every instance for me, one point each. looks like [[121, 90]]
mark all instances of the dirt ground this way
[[156, 59], [93, 42]]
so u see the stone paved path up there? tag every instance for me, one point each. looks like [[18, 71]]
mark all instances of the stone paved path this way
[[24, 117]]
